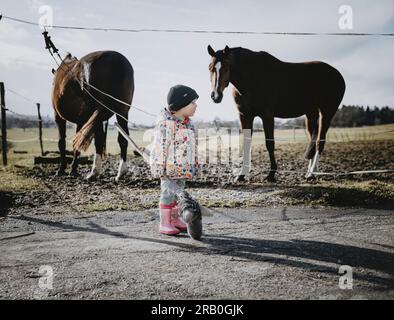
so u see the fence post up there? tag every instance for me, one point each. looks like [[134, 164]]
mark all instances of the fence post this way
[[3, 124], [40, 128], [105, 137], [229, 145], [207, 148], [294, 133]]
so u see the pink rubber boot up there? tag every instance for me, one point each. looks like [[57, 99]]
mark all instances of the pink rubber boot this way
[[176, 220], [165, 221]]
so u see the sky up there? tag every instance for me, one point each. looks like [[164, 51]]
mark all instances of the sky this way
[[161, 60]]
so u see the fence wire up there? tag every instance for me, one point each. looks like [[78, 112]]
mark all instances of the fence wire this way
[[199, 32], [140, 30]]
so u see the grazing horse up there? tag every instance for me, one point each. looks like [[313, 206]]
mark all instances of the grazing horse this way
[[76, 101], [267, 87]]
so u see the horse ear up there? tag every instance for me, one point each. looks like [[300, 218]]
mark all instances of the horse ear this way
[[226, 50], [211, 51]]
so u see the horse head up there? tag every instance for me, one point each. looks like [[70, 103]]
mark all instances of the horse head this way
[[220, 72]]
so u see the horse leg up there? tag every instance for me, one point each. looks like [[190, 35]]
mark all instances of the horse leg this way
[[247, 132], [123, 167], [99, 145], [61, 125], [324, 124], [268, 124], [74, 164], [312, 125], [105, 136]]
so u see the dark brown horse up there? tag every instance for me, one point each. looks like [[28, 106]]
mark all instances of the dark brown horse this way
[[267, 87], [75, 101]]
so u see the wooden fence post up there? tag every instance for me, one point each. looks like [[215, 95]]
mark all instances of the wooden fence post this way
[[105, 137], [207, 148], [294, 133], [40, 128], [229, 145], [3, 124]]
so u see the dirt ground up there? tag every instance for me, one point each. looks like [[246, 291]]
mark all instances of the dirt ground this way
[[215, 186], [283, 240], [252, 253]]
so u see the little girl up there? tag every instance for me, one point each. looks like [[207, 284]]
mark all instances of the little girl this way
[[174, 154]]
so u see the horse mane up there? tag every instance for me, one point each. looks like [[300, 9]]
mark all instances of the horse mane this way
[[69, 58], [249, 54], [252, 62]]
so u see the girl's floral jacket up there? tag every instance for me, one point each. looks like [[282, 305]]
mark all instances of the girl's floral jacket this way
[[174, 148]]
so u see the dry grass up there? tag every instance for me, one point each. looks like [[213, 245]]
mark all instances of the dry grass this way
[[11, 181], [19, 188]]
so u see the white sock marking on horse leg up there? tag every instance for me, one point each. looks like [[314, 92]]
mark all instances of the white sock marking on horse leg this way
[[309, 172], [96, 169], [315, 162], [123, 167], [247, 143], [310, 165], [217, 67], [97, 163]]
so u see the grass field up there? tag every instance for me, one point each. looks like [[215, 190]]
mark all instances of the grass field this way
[[27, 140], [28, 187]]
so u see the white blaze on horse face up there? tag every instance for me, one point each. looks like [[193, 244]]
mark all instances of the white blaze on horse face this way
[[217, 67]]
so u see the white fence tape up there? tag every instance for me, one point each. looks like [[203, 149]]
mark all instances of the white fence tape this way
[[322, 173]]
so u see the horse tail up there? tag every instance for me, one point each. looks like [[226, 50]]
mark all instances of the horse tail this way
[[84, 137]]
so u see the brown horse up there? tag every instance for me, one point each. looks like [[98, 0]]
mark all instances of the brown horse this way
[[267, 87], [76, 101]]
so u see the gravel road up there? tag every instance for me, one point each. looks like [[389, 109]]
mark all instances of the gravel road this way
[[246, 253]]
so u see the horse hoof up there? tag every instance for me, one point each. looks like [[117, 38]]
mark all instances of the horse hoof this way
[[270, 178], [92, 176], [120, 176], [240, 178], [310, 177], [123, 169], [60, 172], [74, 174]]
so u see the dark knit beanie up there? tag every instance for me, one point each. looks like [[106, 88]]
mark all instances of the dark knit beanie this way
[[180, 96]]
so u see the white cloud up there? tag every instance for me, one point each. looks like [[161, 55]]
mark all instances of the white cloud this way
[[164, 59]]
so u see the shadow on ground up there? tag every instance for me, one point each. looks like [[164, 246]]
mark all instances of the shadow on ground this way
[[6, 202], [375, 198], [303, 254]]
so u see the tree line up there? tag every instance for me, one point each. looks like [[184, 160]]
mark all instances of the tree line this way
[[347, 116], [356, 116]]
